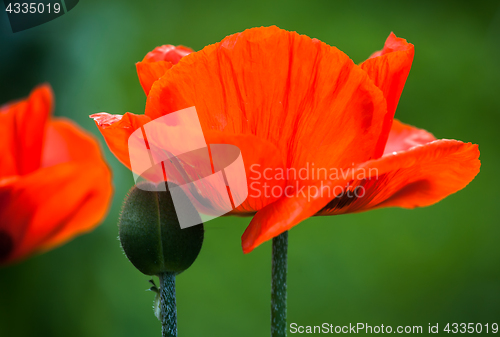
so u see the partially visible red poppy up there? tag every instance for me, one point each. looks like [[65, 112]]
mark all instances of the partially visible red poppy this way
[[54, 183], [157, 61], [289, 101]]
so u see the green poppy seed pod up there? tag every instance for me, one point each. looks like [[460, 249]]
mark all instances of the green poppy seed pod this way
[[151, 236]]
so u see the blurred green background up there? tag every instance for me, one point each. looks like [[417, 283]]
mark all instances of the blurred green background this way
[[394, 267]]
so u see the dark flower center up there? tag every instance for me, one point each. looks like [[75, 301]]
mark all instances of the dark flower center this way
[[6, 245], [360, 191]]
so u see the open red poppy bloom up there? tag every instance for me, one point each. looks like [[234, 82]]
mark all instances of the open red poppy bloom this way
[[289, 103], [54, 183]]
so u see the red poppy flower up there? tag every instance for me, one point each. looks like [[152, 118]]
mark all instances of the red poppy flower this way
[[289, 103], [54, 183]]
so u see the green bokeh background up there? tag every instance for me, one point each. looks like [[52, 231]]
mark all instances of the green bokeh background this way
[[392, 266]]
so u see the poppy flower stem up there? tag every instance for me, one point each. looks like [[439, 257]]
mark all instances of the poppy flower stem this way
[[168, 304], [278, 285]]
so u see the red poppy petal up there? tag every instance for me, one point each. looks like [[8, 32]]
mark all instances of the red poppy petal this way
[[52, 205], [420, 176], [116, 129], [150, 72], [287, 212], [403, 137], [260, 157], [22, 128], [389, 69], [79, 146], [65, 141], [8, 159], [91, 210], [305, 97]]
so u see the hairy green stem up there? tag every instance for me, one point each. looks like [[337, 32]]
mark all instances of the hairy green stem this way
[[168, 305], [278, 285]]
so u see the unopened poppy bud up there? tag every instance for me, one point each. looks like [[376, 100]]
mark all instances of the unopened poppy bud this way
[[151, 236]]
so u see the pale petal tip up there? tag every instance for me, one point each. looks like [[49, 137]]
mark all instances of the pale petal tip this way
[[104, 119]]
